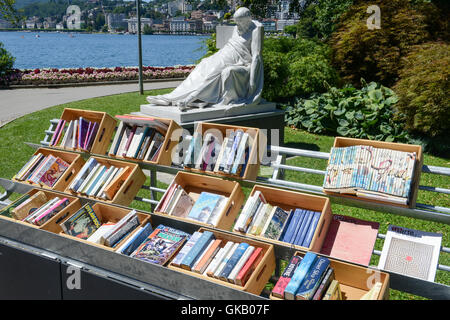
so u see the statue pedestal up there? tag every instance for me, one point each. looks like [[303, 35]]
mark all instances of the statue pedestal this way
[[263, 116]]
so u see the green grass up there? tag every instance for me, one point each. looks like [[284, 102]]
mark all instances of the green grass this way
[[14, 153]]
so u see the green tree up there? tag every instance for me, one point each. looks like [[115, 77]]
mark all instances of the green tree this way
[[8, 11], [147, 29], [6, 64]]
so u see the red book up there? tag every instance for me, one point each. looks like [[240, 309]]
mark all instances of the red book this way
[[350, 239], [278, 290], [163, 203], [249, 267]]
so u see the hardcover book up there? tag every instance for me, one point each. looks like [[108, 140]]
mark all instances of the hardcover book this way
[[324, 284], [250, 266], [7, 211], [223, 252], [82, 224], [135, 241], [196, 250], [51, 212], [278, 290], [350, 239], [299, 275], [237, 254], [313, 278], [240, 264], [57, 169], [276, 224], [185, 249], [208, 256]]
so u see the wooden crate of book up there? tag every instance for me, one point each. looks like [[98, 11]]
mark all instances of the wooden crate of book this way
[[192, 186], [55, 178], [145, 139], [257, 267], [107, 216], [118, 187], [354, 280], [221, 140], [260, 228], [38, 202], [387, 178], [94, 127]]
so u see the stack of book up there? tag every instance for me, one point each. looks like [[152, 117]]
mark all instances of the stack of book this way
[[39, 208], [160, 245], [75, 134], [85, 224], [99, 180], [42, 170], [260, 218], [373, 173], [313, 278], [138, 138], [205, 207], [228, 261], [227, 155]]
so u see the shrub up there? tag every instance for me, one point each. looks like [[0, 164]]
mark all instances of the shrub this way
[[366, 113], [295, 68], [424, 89], [6, 64], [375, 55]]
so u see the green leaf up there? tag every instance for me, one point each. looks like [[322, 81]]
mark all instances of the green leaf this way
[[343, 123], [342, 131]]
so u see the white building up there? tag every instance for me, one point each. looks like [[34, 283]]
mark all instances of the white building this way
[[133, 24], [116, 21], [283, 23], [175, 6]]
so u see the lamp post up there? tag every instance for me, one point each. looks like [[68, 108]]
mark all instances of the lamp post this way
[[138, 13]]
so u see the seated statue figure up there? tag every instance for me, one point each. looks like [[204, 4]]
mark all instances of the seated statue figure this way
[[232, 77]]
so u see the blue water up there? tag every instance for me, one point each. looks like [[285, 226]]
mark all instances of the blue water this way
[[59, 50]]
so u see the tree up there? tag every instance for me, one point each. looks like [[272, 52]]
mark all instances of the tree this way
[[147, 29], [8, 11]]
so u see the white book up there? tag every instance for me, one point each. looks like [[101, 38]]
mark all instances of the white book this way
[[411, 252], [211, 270], [240, 155], [137, 137], [233, 274], [119, 133], [269, 218], [99, 181], [81, 174], [107, 181], [75, 132], [203, 150], [42, 209], [130, 215], [242, 217], [259, 197], [186, 248], [149, 150], [123, 141], [102, 181], [225, 260], [96, 236], [221, 153], [232, 155], [203, 253], [117, 173], [93, 179], [257, 218], [88, 178], [66, 134]]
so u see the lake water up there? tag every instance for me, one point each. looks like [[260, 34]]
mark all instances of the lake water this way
[[60, 50]]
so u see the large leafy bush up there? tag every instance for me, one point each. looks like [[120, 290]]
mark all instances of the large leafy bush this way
[[366, 113], [375, 55], [295, 68], [424, 89], [6, 64]]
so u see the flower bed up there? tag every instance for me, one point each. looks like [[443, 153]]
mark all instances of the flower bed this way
[[80, 75]]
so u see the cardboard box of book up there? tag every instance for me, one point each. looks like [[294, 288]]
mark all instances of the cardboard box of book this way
[[84, 130], [233, 261], [50, 169], [100, 225], [37, 208], [206, 200], [375, 171], [223, 150], [146, 139], [312, 276], [107, 180], [285, 217]]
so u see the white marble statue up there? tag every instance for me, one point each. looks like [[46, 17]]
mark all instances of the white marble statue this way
[[232, 77]]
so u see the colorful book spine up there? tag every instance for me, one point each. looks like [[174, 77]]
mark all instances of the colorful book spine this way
[[312, 280], [198, 247], [278, 290], [312, 229], [233, 274], [186, 248], [324, 284], [207, 258], [225, 260], [238, 253], [212, 268], [248, 268], [299, 275], [137, 239], [304, 228], [44, 217], [231, 155], [294, 224]]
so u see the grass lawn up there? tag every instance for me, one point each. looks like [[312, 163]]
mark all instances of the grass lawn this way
[[14, 153]]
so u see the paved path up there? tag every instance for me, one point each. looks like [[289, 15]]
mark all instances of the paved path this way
[[16, 103]]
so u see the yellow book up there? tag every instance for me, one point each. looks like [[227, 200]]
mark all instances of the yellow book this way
[[373, 293], [333, 291]]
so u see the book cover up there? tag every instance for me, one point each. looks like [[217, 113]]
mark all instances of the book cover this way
[[244, 258], [237, 254], [232, 154], [98, 234], [313, 278], [82, 224], [30, 205], [217, 212], [39, 172], [276, 224], [245, 273], [350, 239], [56, 170], [204, 206], [159, 248], [278, 290], [208, 256], [411, 252], [122, 229], [135, 241], [196, 250], [299, 275], [7, 211], [223, 252], [324, 284], [117, 138], [185, 249]]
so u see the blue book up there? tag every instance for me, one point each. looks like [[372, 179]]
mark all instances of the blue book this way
[[137, 239], [94, 183], [313, 278], [84, 172], [233, 260], [292, 225], [144, 135], [204, 206], [298, 226], [312, 228], [299, 275], [301, 234], [189, 260]]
